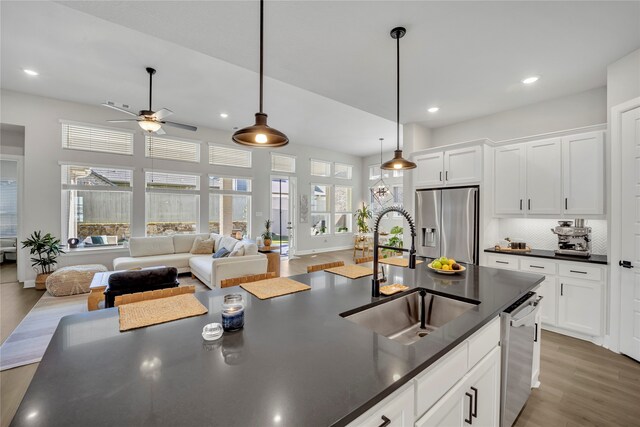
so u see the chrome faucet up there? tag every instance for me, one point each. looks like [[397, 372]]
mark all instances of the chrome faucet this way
[[375, 282]]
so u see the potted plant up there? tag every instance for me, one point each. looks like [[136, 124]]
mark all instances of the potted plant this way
[[267, 235], [362, 215], [44, 250], [395, 240]]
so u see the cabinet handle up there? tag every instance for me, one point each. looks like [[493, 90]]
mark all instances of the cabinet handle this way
[[561, 289], [625, 264], [520, 204], [535, 337], [385, 421], [529, 204], [440, 176], [470, 420], [578, 271], [446, 176], [502, 262], [475, 402], [535, 266], [566, 203]]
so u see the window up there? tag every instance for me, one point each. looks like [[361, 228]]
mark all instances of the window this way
[[320, 168], [227, 156], [172, 149], [374, 172], [283, 163], [320, 209], [172, 203], [397, 191], [9, 199], [96, 204], [343, 216], [230, 206], [397, 174], [343, 171], [99, 139]]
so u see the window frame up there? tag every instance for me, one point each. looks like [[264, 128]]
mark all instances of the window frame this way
[[335, 168], [222, 192], [348, 212], [194, 192], [290, 156], [328, 209], [197, 144], [326, 162], [212, 145]]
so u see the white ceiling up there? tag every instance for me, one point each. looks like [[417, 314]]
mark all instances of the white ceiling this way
[[466, 57]]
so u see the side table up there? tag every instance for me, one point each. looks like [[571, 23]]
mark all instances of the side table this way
[[273, 258]]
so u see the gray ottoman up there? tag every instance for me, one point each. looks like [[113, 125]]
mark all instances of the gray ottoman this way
[[72, 280]]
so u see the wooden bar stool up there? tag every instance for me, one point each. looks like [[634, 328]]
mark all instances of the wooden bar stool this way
[[318, 267]]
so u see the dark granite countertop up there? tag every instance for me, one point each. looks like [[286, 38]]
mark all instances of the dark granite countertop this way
[[296, 362], [543, 253]]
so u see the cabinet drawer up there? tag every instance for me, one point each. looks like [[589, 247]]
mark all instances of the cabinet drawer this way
[[508, 262], [538, 266], [440, 377], [483, 341], [581, 271], [397, 408]]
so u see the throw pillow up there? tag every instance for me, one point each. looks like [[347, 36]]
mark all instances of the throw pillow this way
[[237, 252], [201, 246], [222, 253], [98, 240]]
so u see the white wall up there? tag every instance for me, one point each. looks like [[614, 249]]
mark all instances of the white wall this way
[[623, 79], [11, 140], [43, 151], [569, 112]]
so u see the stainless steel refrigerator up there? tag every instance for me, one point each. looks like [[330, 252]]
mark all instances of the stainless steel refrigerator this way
[[447, 221]]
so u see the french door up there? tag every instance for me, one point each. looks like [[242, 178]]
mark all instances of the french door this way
[[283, 196]]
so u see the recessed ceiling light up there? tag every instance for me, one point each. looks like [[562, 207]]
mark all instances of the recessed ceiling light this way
[[530, 80], [433, 109], [224, 115], [30, 72]]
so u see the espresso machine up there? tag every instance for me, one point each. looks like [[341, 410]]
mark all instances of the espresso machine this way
[[573, 238]]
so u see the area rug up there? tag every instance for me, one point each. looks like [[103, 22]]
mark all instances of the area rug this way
[[28, 342]]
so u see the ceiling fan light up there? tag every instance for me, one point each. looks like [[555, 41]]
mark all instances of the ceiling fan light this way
[[398, 162], [149, 125], [260, 134]]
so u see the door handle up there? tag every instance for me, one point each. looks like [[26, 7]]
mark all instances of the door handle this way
[[440, 176], [470, 420], [561, 289], [446, 176], [385, 421], [535, 337], [566, 203], [475, 402], [529, 204], [625, 264], [520, 204]]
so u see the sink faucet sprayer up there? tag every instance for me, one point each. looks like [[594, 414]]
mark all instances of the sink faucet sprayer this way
[[375, 282]]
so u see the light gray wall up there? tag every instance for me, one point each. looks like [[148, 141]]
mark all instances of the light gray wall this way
[[569, 112], [623, 79], [11, 140], [43, 151]]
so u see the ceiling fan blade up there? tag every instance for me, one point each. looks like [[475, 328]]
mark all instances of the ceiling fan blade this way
[[122, 110], [123, 120], [181, 126], [160, 132], [161, 114]]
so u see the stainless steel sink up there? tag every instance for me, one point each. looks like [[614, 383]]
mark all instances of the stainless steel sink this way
[[409, 318]]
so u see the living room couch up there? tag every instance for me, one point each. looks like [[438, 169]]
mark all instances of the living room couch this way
[[174, 251]]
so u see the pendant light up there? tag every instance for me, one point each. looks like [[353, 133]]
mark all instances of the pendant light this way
[[398, 162], [380, 189], [260, 134]]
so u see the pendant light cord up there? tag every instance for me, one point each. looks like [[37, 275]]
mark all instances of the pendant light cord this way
[[150, 89], [261, 48], [398, 94]]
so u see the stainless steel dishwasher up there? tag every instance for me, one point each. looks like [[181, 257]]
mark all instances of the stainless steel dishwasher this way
[[519, 332]]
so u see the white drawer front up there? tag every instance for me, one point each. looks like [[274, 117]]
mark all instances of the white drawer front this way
[[581, 271], [508, 262], [536, 265], [397, 408], [431, 385], [483, 341]]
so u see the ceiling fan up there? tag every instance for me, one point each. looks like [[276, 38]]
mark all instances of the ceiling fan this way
[[149, 120]]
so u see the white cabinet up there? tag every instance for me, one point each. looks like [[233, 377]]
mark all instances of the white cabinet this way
[[396, 411], [537, 337], [548, 290], [580, 306], [510, 179], [461, 166], [583, 173], [544, 187], [430, 170]]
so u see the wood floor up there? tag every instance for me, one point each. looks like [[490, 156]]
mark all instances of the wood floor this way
[[582, 384]]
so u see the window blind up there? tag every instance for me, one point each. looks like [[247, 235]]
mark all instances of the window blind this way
[[76, 137], [343, 171], [281, 163], [171, 181], [320, 168], [227, 156], [172, 149]]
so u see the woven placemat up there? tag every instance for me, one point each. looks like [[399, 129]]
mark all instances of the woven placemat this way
[[400, 262], [351, 271], [152, 312], [271, 288]]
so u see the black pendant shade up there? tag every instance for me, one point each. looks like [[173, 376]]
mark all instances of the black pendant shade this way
[[260, 134], [398, 162]]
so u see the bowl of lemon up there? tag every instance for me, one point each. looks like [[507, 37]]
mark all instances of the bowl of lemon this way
[[445, 265]]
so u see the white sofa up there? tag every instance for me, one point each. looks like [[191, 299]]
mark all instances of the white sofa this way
[[174, 251]]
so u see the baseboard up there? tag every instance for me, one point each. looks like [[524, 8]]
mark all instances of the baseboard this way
[[319, 251], [595, 340], [29, 283]]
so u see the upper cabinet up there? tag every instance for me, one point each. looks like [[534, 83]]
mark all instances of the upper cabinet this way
[[461, 166], [552, 177], [583, 173]]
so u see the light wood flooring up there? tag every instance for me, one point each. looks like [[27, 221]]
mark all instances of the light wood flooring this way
[[582, 384]]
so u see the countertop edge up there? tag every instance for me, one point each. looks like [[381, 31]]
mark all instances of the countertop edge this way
[[554, 257]]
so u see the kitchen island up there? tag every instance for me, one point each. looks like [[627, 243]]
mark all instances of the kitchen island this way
[[296, 362]]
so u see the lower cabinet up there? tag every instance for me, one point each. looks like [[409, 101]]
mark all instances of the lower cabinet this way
[[474, 400], [580, 306], [548, 291], [395, 411], [535, 371]]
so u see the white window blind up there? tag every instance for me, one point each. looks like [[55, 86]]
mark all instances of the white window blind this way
[[156, 180], [172, 149], [77, 137], [320, 168], [88, 177], [282, 163], [343, 171], [227, 156]]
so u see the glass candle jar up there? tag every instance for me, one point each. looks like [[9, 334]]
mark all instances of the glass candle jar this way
[[232, 312]]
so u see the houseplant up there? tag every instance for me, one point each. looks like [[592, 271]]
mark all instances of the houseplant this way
[[267, 234], [44, 250], [395, 240], [362, 215]]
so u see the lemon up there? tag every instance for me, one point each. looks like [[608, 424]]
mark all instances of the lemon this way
[[452, 261], [436, 264], [446, 267]]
